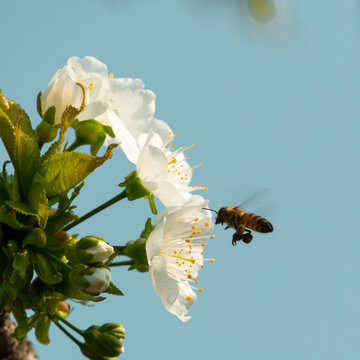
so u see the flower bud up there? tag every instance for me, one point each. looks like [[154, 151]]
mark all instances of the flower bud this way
[[45, 131], [35, 237], [88, 250], [106, 340], [58, 240], [94, 280]]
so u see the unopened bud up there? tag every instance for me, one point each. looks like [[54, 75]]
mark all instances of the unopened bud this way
[[106, 340], [94, 280], [58, 240]]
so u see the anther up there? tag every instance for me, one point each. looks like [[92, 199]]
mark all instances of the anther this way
[[189, 298]]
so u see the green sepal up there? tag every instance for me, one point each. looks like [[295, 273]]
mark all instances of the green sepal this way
[[56, 223], [91, 354], [114, 290], [22, 262], [136, 190], [262, 10], [61, 172], [90, 132], [69, 288], [35, 237], [67, 117], [149, 227], [136, 251], [42, 329], [38, 104], [46, 269], [46, 131]]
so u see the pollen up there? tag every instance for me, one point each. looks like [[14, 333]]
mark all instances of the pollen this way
[[203, 244], [207, 223], [189, 298], [193, 227], [212, 260], [195, 280], [212, 236], [201, 289], [196, 219], [206, 188], [194, 232], [91, 85], [111, 75], [175, 252], [189, 276], [187, 240], [199, 232]]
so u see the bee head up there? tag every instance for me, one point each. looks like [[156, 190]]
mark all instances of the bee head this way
[[220, 219]]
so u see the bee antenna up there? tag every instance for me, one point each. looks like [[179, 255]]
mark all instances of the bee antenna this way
[[211, 210]]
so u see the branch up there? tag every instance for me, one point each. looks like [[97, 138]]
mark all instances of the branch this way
[[10, 349]]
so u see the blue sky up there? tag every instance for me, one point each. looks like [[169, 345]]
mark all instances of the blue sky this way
[[276, 108]]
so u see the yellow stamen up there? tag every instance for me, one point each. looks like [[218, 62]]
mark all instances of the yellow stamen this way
[[189, 298], [111, 75], [201, 289], [193, 227], [196, 219], [203, 244], [212, 260], [207, 223], [212, 236]]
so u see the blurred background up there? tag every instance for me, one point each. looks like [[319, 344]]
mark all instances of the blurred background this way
[[270, 102]]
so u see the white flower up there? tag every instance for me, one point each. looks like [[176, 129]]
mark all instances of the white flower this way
[[98, 278], [164, 172], [100, 252], [175, 253], [63, 90]]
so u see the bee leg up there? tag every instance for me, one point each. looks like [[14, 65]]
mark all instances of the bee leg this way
[[236, 238], [238, 235]]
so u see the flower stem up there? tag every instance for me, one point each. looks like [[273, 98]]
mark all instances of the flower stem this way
[[105, 205], [76, 341], [69, 324], [122, 263]]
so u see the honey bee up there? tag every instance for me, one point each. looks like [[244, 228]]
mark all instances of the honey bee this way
[[243, 222]]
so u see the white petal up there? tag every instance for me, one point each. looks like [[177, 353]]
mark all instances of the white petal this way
[[171, 292], [154, 242], [151, 164], [88, 64]]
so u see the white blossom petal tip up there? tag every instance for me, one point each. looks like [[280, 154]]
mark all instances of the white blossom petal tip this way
[[175, 254]]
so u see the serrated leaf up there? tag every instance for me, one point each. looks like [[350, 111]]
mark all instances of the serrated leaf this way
[[14, 112], [7, 134], [114, 290], [61, 172], [27, 159], [8, 217]]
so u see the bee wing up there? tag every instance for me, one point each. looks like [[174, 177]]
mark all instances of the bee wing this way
[[255, 198]]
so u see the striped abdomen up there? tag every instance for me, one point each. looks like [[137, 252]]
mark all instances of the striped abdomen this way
[[256, 222]]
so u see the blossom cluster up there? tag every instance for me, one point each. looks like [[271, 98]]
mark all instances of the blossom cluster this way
[[121, 110]]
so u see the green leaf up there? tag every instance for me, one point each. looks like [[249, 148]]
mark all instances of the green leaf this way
[[24, 326], [42, 329], [46, 269], [8, 217], [21, 208], [27, 159], [21, 262], [114, 290], [14, 112], [61, 172], [7, 134], [38, 201]]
